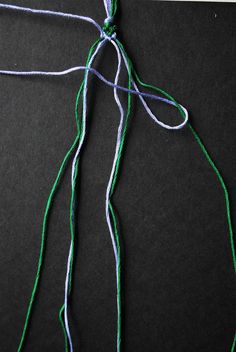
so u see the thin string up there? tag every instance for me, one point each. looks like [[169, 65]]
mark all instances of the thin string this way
[[107, 35], [107, 5], [115, 242], [110, 7], [203, 149], [136, 91], [72, 229], [234, 344], [73, 177], [61, 311], [33, 73], [205, 152], [114, 6], [70, 16], [109, 209], [216, 171], [43, 239]]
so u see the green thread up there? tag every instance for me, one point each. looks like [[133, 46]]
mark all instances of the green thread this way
[[234, 344], [42, 246], [205, 152], [78, 133], [63, 327], [118, 277], [114, 218], [209, 159], [43, 236], [109, 29], [124, 131], [226, 193], [114, 7], [224, 188], [135, 76], [72, 200]]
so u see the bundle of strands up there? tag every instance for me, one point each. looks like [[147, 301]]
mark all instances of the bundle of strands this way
[[107, 36]]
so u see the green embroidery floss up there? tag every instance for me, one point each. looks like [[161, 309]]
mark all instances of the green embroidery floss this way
[[107, 35], [215, 169], [234, 344]]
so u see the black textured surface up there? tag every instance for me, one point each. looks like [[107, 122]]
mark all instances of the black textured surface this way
[[179, 281]]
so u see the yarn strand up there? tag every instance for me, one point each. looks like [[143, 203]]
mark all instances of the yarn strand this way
[[42, 246], [109, 208], [68, 281], [74, 172], [217, 173], [61, 311], [107, 35], [234, 344], [135, 91], [70, 16]]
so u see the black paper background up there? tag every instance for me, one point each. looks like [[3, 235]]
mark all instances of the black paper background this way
[[178, 280]]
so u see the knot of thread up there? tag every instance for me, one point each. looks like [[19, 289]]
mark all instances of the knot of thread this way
[[109, 29]]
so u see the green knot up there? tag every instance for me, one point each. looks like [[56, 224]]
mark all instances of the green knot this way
[[108, 27]]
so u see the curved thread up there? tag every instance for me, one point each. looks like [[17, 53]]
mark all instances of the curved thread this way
[[201, 145], [170, 101]]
